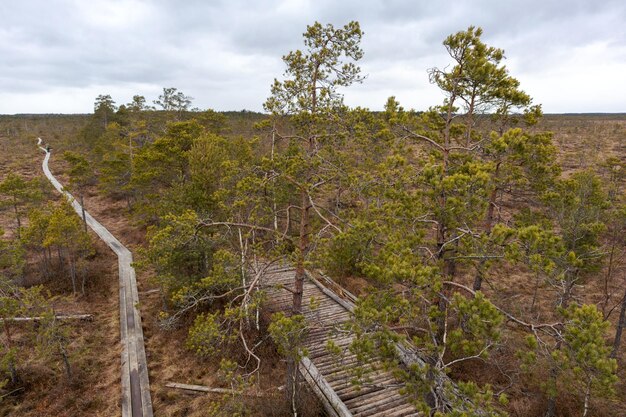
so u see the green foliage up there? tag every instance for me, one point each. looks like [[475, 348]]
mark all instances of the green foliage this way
[[38, 221], [80, 172], [413, 202], [64, 230], [173, 100], [288, 333], [480, 325], [10, 307], [12, 257], [536, 246], [321, 66], [232, 404], [581, 360], [162, 165], [477, 74], [577, 205], [586, 353], [104, 108], [51, 336], [179, 255], [17, 193], [345, 252], [206, 336], [138, 104], [60, 230]]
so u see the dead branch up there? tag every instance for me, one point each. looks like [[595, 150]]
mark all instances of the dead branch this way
[[202, 388], [88, 317]]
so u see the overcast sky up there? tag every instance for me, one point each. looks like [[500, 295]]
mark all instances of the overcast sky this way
[[56, 56]]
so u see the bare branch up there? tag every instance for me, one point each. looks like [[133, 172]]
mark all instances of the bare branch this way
[[477, 356]]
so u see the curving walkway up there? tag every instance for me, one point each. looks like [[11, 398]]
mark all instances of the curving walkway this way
[[136, 400]]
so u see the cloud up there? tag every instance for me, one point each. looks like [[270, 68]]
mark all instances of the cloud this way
[[58, 56]]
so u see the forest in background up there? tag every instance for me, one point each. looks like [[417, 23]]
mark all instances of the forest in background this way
[[488, 236]]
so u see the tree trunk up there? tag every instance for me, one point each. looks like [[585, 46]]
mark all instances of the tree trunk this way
[[607, 278], [243, 249], [587, 395], [478, 280], [7, 347], [570, 280], [66, 361], [13, 372], [303, 247], [620, 327], [292, 385], [45, 270], [19, 221], [72, 272], [551, 410], [83, 276], [82, 207], [535, 292], [274, 209], [554, 375]]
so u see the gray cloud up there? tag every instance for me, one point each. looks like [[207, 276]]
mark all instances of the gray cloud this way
[[58, 55]]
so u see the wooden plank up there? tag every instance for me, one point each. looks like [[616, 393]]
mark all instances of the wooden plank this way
[[349, 306], [347, 388], [381, 403], [202, 388], [397, 411], [356, 402], [311, 373]]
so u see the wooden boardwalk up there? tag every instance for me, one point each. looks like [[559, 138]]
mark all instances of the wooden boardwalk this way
[[330, 376], [136, 401]]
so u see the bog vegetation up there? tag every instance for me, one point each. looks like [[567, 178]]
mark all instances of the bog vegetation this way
[[458, 226]]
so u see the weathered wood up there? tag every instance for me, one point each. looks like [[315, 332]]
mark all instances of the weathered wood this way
[[383, 403], [202, 388], [357, 402], [349, 306], [356, 393], [332, 375], [312, 375], [58, 317], [397, 411], [347, 387]]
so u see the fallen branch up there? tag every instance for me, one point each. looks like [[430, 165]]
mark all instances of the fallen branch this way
[[11, 392], [58, 317], [202, 388]]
